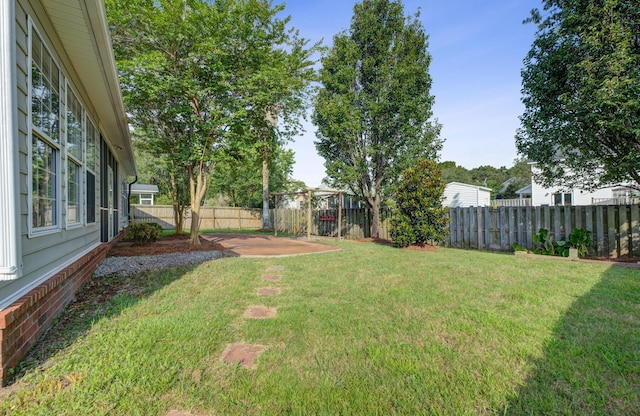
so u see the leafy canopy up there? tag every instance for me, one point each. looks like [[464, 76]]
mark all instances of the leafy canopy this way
[[420, 216], [373, 108], [581, 91]]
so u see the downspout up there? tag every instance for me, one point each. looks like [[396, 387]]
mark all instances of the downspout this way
[[129, 199]]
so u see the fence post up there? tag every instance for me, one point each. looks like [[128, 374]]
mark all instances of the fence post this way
[[624, 231], [635, 230]]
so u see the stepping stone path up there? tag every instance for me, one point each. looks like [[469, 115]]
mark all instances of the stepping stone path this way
[[260, 312], [270, 277], [269, 291], [245, 354], [275, 268]]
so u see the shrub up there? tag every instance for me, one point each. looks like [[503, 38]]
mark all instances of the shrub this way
[[420, 216], [581, 240], [144, 233]]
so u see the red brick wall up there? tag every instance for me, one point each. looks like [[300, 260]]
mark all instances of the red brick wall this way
[[27, 318]]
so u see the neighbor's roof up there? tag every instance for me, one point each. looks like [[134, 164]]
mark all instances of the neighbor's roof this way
[[484, 188], [140, 188], [83, 30], [525, 190]]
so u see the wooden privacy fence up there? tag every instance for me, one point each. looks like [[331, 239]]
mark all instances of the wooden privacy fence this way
[[615, 229], [210, 217]]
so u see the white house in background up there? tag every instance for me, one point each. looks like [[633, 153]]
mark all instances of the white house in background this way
[[556, 195], [143, 194], [457, 194], [65, 155]]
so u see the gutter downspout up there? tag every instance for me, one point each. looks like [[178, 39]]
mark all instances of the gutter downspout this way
[[129, 199]]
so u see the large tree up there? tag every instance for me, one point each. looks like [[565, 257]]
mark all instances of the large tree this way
[[373, 109], [198, 75], [581, 91]]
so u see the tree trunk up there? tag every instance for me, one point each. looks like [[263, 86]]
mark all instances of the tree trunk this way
[[375, 217], [197, 189], [265, 191], [178, 211]]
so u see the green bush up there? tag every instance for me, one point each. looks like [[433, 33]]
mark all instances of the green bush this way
[[581, 240], [420, 216], [144, 233]]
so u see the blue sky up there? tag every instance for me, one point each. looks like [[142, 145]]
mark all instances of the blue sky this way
[[477, 48]]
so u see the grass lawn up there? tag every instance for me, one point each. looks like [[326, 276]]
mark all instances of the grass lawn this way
[[367, 330]]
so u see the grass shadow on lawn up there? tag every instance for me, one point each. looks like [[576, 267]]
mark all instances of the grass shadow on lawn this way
[[591, 365], [99, 298]]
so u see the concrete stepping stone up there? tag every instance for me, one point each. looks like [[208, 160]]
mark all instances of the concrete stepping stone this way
[[275, 268], [269, 291], [260, 312], [270, 277], [243, 354]]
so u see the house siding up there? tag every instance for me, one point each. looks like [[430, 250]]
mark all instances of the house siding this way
[[54, 264], [464, 195]]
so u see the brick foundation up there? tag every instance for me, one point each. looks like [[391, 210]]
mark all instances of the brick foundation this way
[[27, 318]]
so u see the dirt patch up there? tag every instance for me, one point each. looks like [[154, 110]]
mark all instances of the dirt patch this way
[[168, 244], [269, 291], [259, 312], [242, 354], [421, 247], [271, 277], [374, 240]]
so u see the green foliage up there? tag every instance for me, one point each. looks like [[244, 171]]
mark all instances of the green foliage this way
[[198, 76], [518, 247], [519, 176], [581, 91], [420, 215], [543, 241], [581, 240], [238, 179], [374, 106], [144, 232]]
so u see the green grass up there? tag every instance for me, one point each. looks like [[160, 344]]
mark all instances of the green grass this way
[[367, 330]]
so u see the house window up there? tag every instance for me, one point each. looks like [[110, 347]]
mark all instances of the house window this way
[[91, 163], [146, 199], [44, 96], [44, 184], [74, 158], [562, 198]]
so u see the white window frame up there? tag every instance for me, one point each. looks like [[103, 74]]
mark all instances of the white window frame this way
[[35, 131], [87, 169], [70, 158]]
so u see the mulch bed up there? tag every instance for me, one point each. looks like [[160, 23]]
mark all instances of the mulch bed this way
[[175, 243]]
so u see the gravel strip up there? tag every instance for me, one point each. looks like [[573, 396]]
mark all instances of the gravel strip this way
[[124, 266]]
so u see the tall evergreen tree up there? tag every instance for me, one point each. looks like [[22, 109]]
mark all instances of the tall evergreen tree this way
[[373, 109], [581, 86]]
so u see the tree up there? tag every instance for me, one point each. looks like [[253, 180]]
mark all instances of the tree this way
[[373, 109], [196, 73], [420, 216], [238, 175], [581, 91]]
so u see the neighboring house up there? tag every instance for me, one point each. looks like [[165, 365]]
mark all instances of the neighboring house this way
[[556, 195], [65, 154], [143, 194], [462, 195]]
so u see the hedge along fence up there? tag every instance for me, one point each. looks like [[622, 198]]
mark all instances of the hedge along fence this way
[[615, 228]]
